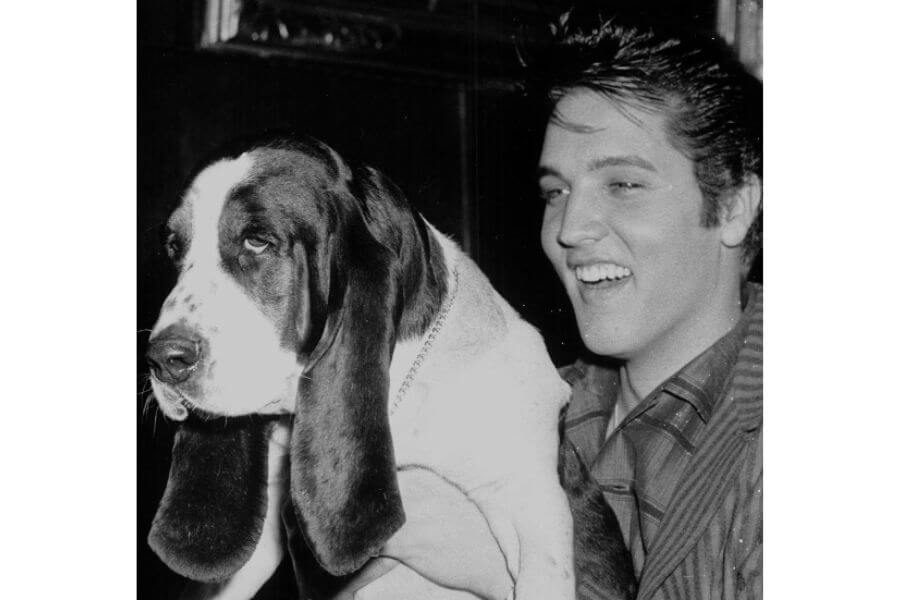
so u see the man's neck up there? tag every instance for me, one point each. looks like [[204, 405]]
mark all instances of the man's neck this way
[[673, 350]]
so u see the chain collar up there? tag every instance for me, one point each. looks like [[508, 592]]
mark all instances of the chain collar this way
[[430, 337]]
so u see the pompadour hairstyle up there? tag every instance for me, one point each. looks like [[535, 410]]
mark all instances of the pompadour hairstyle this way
[[713, 105]]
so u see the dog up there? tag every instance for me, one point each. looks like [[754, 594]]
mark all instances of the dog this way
[[379, 380]]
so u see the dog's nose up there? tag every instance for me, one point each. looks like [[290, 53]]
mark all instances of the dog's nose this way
[[172, 356]]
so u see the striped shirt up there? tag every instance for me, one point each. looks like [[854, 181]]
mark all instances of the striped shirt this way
[[683, 470]]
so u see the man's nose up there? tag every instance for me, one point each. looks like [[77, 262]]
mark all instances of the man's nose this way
[[583, 220], [172, 355]]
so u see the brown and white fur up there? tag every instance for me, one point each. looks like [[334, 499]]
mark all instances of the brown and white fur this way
[[307, 287]]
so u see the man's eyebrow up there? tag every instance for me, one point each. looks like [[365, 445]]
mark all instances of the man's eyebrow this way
[[543, 171], [596, 164], [621, 161]]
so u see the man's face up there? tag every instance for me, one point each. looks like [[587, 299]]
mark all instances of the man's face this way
[[622, 229]]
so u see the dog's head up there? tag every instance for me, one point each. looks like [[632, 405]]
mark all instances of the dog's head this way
[[298, 273]]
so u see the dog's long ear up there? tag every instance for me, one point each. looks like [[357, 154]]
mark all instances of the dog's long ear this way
[[211, 515], [343, 481]]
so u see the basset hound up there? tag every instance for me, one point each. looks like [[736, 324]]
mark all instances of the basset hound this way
[[379, 396]]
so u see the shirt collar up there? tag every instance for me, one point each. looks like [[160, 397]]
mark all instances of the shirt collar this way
[[700, 383]]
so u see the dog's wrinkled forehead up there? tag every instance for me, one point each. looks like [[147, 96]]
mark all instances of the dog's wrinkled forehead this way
[[270, 186]]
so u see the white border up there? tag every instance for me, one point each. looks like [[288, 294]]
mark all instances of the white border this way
[[831, 329], [68, 317]]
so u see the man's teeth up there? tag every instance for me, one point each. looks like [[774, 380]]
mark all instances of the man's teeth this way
[[604, 272]]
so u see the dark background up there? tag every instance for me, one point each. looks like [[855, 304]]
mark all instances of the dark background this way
[[438, 115]]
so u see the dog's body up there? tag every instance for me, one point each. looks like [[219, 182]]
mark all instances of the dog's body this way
[[482, 414], [309, 288]]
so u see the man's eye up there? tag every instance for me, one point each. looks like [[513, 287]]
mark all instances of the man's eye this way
[[553, 195], [624, 188], [255, 245]]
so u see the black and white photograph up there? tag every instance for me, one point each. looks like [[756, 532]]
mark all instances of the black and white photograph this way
[[449, 299]]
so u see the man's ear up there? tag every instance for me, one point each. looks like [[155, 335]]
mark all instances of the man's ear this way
[[739, 211]]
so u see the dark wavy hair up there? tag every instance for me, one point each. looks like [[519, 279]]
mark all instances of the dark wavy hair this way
[[713, 105]]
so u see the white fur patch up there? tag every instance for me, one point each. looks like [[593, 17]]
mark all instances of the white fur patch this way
[[243, 367]]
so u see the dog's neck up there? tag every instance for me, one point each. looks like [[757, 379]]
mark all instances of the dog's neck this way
[[425, 282], [411, 348]]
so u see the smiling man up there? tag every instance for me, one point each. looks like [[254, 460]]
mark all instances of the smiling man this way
[[651, 173]]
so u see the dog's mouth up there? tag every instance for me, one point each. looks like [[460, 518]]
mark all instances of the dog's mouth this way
[[173, 403], [177, 406]]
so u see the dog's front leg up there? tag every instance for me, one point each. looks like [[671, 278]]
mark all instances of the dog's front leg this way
[[447, 540], [532, 521]]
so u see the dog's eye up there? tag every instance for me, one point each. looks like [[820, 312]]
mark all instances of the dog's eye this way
[[255, 245]]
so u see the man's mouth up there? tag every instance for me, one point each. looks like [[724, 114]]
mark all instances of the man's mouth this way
[[601, 273]]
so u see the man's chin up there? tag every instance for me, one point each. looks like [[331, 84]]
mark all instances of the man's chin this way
[[616, 345]]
